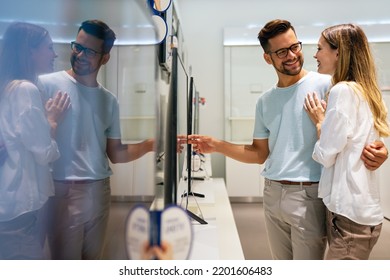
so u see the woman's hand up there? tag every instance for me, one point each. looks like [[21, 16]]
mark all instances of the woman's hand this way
[[56, 108], [315, 109]]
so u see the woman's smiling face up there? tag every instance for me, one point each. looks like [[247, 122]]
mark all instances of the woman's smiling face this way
[[326, 57]]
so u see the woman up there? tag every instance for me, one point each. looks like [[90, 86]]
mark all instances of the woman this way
[[26, 132], [355, 115]]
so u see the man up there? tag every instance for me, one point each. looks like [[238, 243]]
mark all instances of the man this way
[[284, 139], [88, 136]]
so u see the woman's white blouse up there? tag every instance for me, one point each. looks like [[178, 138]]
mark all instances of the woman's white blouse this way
[[347, 187], [25, 178]]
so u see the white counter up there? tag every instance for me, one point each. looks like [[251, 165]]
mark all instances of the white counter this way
[[218, 239]]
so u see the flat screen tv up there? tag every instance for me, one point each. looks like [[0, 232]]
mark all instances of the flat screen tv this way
[[193, 159], [179, 121], [176, 124], [170, 162]]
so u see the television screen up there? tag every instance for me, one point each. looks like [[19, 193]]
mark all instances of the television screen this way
[[195, 112], [170, 163], [193, 160], [176, 124]]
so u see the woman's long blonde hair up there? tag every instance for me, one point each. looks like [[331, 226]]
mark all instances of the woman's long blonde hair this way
[[356, 64]]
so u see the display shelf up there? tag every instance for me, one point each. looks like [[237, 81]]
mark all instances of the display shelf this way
[[219, 238]]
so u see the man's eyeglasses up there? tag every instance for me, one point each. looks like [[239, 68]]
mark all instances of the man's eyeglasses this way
[[77, 48], [282, 53]]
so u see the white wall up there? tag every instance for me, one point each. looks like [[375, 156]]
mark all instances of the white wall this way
[[203, 23]]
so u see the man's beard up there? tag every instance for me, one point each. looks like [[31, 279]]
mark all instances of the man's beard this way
[[83, 70], [282, 69]]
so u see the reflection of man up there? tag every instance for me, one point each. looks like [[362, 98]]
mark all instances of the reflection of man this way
[[87, 138]]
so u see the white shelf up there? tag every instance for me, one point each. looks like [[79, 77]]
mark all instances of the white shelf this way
[[218, 239]]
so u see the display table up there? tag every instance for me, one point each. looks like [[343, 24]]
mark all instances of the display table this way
[[218, 239]]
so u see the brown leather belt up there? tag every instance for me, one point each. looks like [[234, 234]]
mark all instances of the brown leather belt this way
[[78, 181], [284, 182]]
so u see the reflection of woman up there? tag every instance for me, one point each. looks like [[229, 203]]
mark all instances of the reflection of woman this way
[[25, 179], [355, 115]]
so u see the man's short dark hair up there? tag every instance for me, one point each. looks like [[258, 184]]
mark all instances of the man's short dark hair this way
[[271, 30], [100, 30]]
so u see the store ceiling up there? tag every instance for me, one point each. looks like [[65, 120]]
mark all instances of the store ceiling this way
[[128, 18], [131, 20]]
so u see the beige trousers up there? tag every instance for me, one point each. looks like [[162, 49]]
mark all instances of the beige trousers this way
[[295, 221], [78, 217]]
